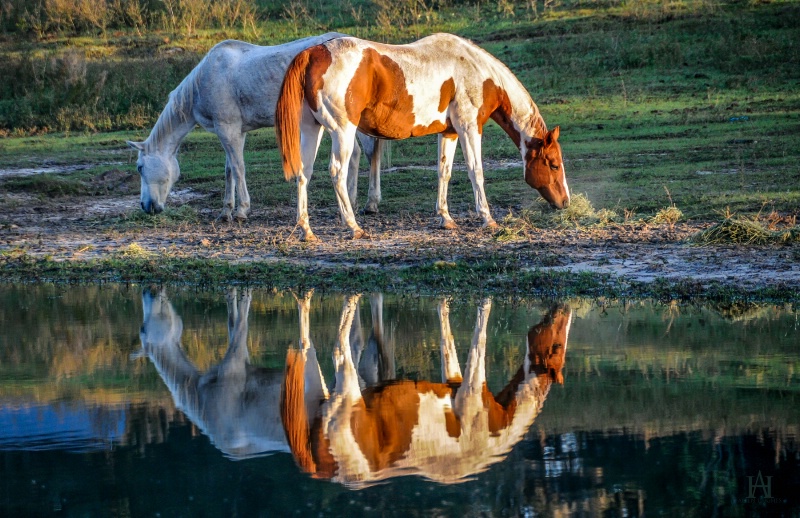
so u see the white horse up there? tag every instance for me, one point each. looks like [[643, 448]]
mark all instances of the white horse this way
[[444, 431], [233, 90], [441, 85]]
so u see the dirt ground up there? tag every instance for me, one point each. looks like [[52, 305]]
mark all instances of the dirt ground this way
[[80, 228]]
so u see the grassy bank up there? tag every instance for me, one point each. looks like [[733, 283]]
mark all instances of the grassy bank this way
[[501, 276]]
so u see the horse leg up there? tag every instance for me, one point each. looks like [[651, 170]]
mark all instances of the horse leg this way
[[346, 375], [233, 143], [228, 201], [341, 149], [447, 148], [373, 148], [352, 176], [451, 371], [310, 137], [313, 380], [471, 146], [241, 183], [237, 354], [475, 371]]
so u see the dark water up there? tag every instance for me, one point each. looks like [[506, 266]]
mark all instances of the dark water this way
[[118, 401]]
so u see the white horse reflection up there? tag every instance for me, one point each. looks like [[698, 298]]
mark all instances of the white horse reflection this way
[[444, 431], [234, 403]]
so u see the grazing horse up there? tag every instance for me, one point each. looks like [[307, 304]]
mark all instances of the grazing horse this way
[[440, 84], [233, 90], [444, 431]]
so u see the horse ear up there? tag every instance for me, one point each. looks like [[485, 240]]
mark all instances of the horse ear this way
[[139, 146], [552, 136]]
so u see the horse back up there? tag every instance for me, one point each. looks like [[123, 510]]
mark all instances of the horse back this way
[[238, 82]]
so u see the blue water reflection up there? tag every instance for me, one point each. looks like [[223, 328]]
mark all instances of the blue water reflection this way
[[118, 400]]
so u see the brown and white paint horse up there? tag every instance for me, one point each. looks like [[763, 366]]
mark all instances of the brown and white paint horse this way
[[441, 84], [442, 431]]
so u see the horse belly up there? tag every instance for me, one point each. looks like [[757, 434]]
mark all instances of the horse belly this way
[[397, 124]]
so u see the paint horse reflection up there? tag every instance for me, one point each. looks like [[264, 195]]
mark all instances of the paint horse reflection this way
[[234, 403], [232, 91], [442, 431], [441, 84]]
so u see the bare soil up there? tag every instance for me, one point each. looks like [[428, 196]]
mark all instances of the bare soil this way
[[82, 228]]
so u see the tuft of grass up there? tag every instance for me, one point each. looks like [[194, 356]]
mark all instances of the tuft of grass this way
[[741, 230], [669, 215], [134, 251]]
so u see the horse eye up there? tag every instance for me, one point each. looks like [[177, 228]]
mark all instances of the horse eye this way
[[554, 167], [139, 168]]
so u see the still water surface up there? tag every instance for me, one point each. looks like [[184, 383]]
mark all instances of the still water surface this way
[[116, 400]]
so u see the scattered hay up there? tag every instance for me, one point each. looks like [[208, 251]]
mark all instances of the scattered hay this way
[[744, 231], [580, 213]]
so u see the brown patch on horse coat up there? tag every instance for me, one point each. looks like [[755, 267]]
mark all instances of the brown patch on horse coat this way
[[378, 102], [499, 417], [319, 61], [497, 105], [384, 420]]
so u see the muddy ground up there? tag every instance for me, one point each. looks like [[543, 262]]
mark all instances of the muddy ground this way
[[82, 228]]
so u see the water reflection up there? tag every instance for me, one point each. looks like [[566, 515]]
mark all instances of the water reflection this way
[[234, 403], [367, 431], [664, 409], [369, 426]]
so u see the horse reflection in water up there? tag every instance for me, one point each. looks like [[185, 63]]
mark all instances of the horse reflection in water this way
[[369, 426], [234, 403], [444, 431]]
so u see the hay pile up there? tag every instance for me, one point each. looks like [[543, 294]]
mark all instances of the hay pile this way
[[744, 231]]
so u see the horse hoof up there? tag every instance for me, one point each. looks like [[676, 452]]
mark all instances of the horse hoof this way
[[310, 238], [449, 225], [240, 216], [360, 234], [491, 225], [225, 216], [370, 209]]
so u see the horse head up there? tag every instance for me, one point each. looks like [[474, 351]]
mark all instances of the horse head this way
[[161, 325], [547, 344], [544, 169], [159, 172]]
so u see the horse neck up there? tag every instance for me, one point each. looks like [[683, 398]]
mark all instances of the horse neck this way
[[520, 117], [171, 128]]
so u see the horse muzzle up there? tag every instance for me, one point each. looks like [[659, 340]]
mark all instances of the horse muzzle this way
[[152, 208]]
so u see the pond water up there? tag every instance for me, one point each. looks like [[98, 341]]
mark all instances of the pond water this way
[[119, 400]]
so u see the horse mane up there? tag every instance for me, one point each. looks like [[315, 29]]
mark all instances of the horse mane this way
[[178, 109], [531, 121]]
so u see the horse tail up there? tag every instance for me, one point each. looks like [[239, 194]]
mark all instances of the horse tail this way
[[288, 113], [293, 411]]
